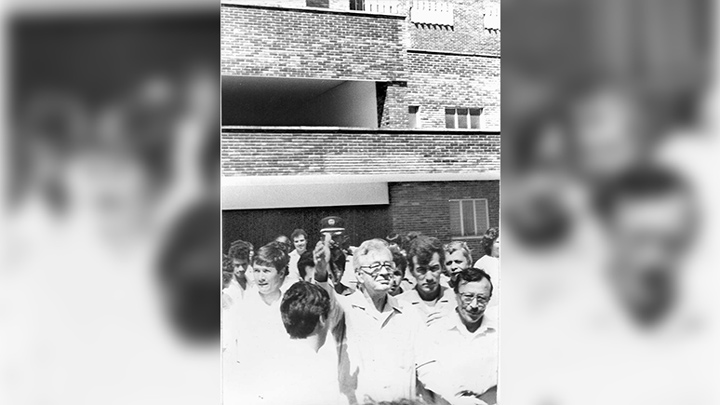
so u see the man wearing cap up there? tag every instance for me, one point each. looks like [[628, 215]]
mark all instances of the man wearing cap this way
[[377, 356], [334, 229]]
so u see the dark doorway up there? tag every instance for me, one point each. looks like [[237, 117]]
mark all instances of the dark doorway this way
[[261, 226]]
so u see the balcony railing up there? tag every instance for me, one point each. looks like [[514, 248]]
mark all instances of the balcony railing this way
[[431, 12], [376, 6]]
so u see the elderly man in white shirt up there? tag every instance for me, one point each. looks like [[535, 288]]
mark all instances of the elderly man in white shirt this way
[[377, 358], [460, 352]]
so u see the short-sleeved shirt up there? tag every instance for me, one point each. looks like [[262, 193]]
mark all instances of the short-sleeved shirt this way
[[455, 360], [445, 304], [377, 353]]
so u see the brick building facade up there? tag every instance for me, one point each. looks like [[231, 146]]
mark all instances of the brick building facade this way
[[399, 98]]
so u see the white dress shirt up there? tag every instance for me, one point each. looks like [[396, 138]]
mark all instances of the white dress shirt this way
[[452, 359], [377, 359]]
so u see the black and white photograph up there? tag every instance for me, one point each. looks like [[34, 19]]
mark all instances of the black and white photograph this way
[[360, 201]]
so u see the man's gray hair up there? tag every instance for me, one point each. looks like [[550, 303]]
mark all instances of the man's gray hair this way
[[366, 247]]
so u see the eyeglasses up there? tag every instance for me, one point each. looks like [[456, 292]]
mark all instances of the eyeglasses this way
[[377, 267], [467, 299], [422, 270]]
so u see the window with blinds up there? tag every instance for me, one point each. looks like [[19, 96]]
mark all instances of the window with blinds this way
[[469, 217]]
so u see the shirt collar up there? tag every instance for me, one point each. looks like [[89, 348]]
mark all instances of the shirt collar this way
[[357, 299], [446, 295], [488, 324]]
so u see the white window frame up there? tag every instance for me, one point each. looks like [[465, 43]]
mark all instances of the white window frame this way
[[469, 127], [477, 234]]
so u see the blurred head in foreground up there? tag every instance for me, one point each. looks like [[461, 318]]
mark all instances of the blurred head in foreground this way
[[188, 273], [650, 217]]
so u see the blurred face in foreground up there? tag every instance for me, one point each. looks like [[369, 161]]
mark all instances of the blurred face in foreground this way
[[650, 236], [472, 298]]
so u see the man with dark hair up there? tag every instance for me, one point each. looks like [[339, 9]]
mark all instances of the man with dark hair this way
[[299, 241], [459, 353], [285, 241], [426, 258], [650, 216], [239, 253], [308, 366], [306, 266]]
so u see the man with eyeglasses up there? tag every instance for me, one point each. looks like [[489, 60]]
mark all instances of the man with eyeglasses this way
[[377, 350], [460, 353], [426, 258]]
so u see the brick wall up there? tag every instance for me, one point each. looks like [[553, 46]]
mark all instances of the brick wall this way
[[250, 152], [267, 41], [467, 34], [438, 81], [424, 206]]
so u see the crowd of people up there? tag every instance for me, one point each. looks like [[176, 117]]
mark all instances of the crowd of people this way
[[399, 319]]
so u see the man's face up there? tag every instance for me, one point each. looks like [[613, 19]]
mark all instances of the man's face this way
[[300, 243], [268, 279], [650, 237], [395, 280], [337, 238], [427, 274], [472, 298], [240, 265], [381, 281], [456, 261]]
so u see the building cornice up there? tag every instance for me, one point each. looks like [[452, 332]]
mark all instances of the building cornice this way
[[340, 130], [451, 53]]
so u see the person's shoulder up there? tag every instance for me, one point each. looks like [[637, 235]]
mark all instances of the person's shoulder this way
[[408, 296]]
